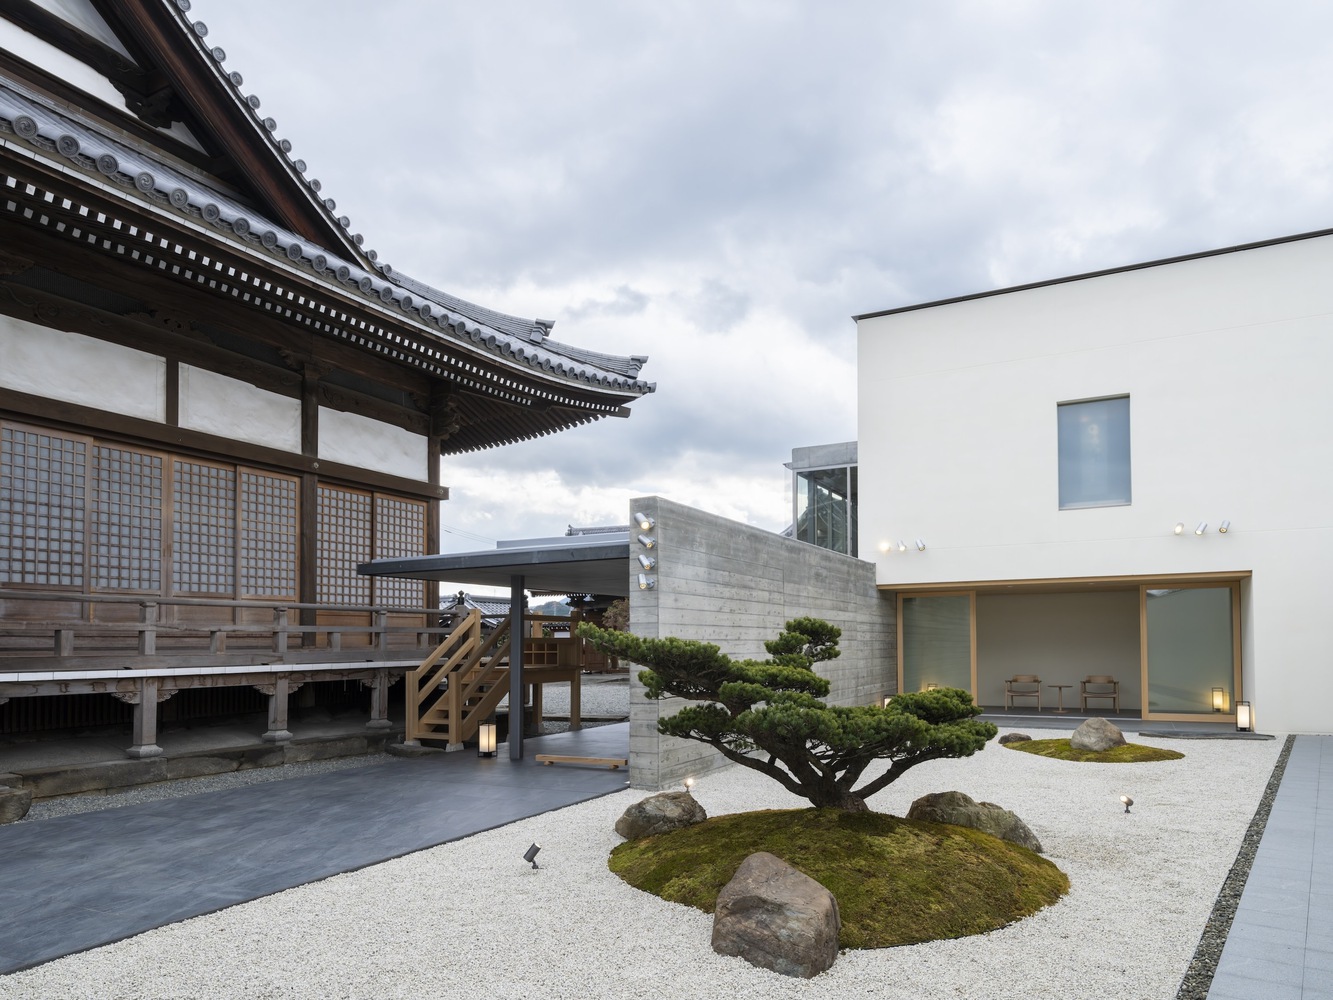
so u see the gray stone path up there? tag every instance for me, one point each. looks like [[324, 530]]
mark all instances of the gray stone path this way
[[1280, 946], [76, 882]]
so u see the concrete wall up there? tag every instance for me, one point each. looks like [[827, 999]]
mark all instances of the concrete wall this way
[[1225, 360], [720, 581]]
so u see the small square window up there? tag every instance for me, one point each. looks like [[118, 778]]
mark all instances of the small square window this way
[[1094, 453]]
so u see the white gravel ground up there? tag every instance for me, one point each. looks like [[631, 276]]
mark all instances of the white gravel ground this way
[[470, 919]]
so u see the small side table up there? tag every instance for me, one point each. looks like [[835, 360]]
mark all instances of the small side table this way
[[1060, 695]]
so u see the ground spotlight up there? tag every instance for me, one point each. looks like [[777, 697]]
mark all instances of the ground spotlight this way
[[531, 853], [1124, 798]]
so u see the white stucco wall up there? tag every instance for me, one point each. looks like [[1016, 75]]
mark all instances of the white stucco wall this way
[[369, 444], [1226, 361], [228, 407], [79, 369]]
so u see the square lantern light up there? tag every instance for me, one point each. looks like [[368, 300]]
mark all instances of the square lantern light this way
[[1244, 717], [1219, 699], [486, 739]]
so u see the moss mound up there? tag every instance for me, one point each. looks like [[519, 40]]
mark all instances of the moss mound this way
[[896, 881], [1130, 753]]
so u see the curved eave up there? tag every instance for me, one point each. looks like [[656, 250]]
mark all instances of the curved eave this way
[[377, 309]]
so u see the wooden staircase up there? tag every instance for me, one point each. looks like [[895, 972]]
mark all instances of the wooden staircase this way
[[459, 685]]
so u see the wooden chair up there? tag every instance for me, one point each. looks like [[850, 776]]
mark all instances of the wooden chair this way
[[1022, 686], [1102, 686]]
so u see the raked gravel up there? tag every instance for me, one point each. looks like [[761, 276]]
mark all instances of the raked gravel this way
[[470, 919]]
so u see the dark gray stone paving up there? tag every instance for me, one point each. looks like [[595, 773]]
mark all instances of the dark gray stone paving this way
[[76, 882], [1280, 946]]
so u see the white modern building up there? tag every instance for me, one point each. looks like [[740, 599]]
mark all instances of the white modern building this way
[[1124, 473]]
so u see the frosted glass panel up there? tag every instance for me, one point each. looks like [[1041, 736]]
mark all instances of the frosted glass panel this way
[[937, 642], [1094, 453], [1189, 649]]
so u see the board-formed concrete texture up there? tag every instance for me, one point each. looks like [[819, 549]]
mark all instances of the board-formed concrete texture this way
[[720, 581]]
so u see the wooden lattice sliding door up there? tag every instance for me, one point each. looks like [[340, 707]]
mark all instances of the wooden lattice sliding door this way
[[356, 526]]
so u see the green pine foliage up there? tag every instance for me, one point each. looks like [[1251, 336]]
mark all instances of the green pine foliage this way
[[768, 715]]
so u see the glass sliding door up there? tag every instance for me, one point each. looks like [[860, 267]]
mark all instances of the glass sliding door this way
[[938, 642], [1190, 652]]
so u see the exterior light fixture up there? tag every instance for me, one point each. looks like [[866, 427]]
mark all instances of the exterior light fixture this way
[[888, 699], [902, 546], [531, 854], [1203, 526], [920, 545], [932, 686], [1219, 700], [1124, 798], [647, 562], [1179, 529], [647, 582], [647, 541], [886, 546], [643, 521], [486, 739], [689, 784], [1244, 717], [1224, 527]]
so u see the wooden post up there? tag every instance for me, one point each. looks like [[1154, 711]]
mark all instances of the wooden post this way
[[145, 720], [280, 631], [576, 700], [379, 701], [148, 634], [381, 623], [277, 709], [516, 667], [412, 709]]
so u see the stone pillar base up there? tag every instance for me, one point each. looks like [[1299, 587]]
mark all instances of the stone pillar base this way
[[144, 750], [379, 724], [277, 736]]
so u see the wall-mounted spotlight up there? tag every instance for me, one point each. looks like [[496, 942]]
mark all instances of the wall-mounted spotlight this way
[[1224, 527], [643, 521], [646, 561], [1203, 526], [1179, 529], [647, 582], [902, 546], [920, 545], [530, 854], [647, 541], [886, 546]]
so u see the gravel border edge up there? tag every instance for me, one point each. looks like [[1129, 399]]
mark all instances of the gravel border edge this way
[[1198, 978]]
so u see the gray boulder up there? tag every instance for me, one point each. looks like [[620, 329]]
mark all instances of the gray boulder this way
[[14, 803], [962, 810], [1096, 735], [777, 918], [660, 813], [1008, 738]]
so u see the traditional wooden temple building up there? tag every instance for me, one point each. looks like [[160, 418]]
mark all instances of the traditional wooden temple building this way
[[215, 401]]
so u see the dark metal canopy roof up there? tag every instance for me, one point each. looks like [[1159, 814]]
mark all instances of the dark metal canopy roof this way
[[596, 564]]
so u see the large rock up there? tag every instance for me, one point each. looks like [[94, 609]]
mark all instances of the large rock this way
[[1096, 735], [14, 804], [963, 810], [660, 813], [778, 918]]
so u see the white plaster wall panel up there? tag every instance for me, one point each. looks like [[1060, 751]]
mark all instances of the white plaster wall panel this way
[[64, 67], [78, 369], [371, 444], [1225, 360], [228, 407]]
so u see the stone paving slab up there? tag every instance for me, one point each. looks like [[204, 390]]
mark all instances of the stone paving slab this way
[[77, 882], [1281, 940]]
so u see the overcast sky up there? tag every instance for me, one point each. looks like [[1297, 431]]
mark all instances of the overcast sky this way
[[722, 185]]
